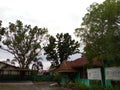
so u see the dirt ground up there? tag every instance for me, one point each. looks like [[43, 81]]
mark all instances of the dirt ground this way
[[28, 86]]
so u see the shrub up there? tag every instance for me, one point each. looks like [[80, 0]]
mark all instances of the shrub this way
[[81, 86]]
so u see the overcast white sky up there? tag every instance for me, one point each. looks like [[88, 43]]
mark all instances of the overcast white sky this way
[[56, 15]]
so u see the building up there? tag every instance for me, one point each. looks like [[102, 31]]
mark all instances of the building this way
[[10, 72], [76, 71]]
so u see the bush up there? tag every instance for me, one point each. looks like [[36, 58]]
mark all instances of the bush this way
[[81, 86], [57, 76]]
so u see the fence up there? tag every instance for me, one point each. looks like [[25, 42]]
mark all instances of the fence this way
[[15, 75], [22, 75]]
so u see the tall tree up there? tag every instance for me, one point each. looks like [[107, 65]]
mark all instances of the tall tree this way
[[61, 47], [2, 30], [24, 42], [37, 65], [51, 50], [100, 31]]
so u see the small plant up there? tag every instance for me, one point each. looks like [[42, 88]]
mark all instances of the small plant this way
[[57, 77]]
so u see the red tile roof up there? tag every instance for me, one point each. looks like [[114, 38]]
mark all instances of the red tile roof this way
[[79, 62], [65, 67], [69, 66]]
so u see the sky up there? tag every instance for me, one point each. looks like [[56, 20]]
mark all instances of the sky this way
[[58, 16]]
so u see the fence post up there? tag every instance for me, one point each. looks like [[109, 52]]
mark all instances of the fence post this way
[[103, 76]]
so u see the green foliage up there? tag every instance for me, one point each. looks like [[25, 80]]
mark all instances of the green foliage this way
[[61, 47], [24, 42], [100, 31], [58, 77], [2, 30], [34, 73], [44, 79], [50, 49], [95, 83], [37, 65], [81, 86], [75, 86]]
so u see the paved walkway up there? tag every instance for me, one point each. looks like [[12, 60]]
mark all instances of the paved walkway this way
[[17, 83], [28, 86]]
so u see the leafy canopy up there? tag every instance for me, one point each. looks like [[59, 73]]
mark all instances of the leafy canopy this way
[[61, 47], [24, 42], [2, 30], [100, 31]]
